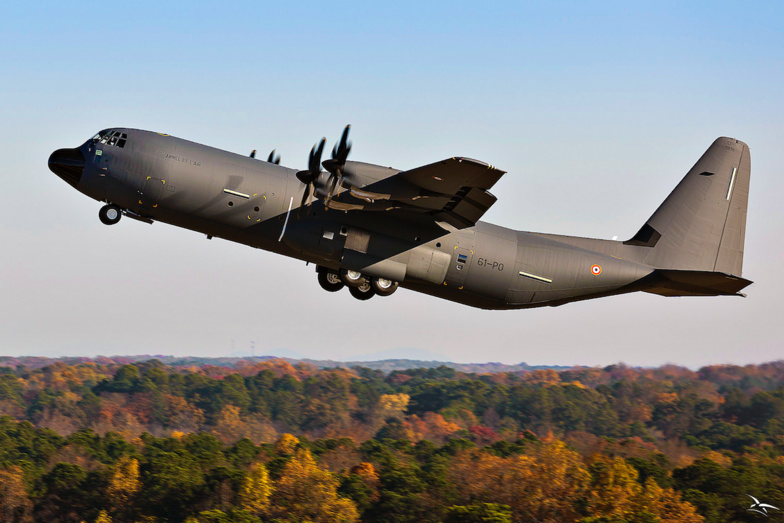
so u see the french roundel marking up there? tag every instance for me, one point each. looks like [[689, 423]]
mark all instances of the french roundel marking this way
[[596, 270]]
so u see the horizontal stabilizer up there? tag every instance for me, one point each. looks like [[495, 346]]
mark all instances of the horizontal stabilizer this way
[[694, 283]]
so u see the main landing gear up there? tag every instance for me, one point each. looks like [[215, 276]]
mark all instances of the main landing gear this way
[[110, 214], [360, 286]]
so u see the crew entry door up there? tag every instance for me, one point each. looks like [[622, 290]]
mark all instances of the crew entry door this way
[[150, 195]]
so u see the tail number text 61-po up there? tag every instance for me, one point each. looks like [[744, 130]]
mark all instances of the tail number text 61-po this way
[[484, 262]]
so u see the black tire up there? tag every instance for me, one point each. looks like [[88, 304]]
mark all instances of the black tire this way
[[109, 214], [352, 278], [363, 292], [383, 287], [330, 281]]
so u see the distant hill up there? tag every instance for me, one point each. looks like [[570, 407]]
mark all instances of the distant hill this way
[[404, 364], [385, 365]]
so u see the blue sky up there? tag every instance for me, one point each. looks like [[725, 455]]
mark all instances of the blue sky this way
[[596, 110]]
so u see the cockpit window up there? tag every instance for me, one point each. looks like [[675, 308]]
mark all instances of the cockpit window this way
[[113, 138]]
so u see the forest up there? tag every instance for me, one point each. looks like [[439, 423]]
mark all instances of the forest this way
[[108, 440]]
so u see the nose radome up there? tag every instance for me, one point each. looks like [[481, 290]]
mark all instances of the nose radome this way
[[68, 164]]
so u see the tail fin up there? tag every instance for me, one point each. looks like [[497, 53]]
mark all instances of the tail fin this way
[[701, 226]]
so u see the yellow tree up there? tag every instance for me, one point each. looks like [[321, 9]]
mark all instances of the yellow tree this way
[[543, 487], [551, 483], [392, 405], [286, 444], [306, 492], [614, 488], [615, 493], [124, 482], [666, 503], [255, 490], [15, 506], [103, 517]]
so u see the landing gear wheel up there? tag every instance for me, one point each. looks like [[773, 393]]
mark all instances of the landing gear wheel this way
[[352, 278], [383, 287], [363, 292], [330, 281], [110, 214]]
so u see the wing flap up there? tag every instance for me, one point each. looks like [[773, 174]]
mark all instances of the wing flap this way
[[453, 191]]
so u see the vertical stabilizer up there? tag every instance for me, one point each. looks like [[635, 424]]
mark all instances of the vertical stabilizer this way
[[701, 225]]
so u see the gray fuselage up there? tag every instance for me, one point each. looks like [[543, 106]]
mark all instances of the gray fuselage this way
[[221, 194]]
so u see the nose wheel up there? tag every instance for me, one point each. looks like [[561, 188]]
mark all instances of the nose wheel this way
[[110, 214]]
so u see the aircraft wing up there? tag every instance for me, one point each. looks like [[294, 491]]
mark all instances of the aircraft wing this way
[[454, 191]]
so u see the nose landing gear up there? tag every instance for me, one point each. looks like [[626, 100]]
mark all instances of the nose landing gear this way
[[110, 214]]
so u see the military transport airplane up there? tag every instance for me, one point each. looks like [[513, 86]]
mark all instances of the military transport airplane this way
[[373, 228]]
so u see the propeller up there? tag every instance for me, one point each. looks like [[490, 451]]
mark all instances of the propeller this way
[[311, 175], [273, 158], [253, 153], [336, 164]]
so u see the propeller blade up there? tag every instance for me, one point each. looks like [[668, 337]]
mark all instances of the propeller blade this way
[[253, 153], [310, 176], [314, 164], [336, 177], [272, 158], [336, 164], [304, 199], [307, 199], [314, 167], [341, 150]]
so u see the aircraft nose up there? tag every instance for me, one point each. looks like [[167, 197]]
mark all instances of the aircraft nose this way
[[68, 164]]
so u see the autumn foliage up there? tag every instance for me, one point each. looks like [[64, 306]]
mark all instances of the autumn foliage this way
[[113, 440]]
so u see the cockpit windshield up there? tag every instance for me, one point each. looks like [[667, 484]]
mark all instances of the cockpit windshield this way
[[113, 138]]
